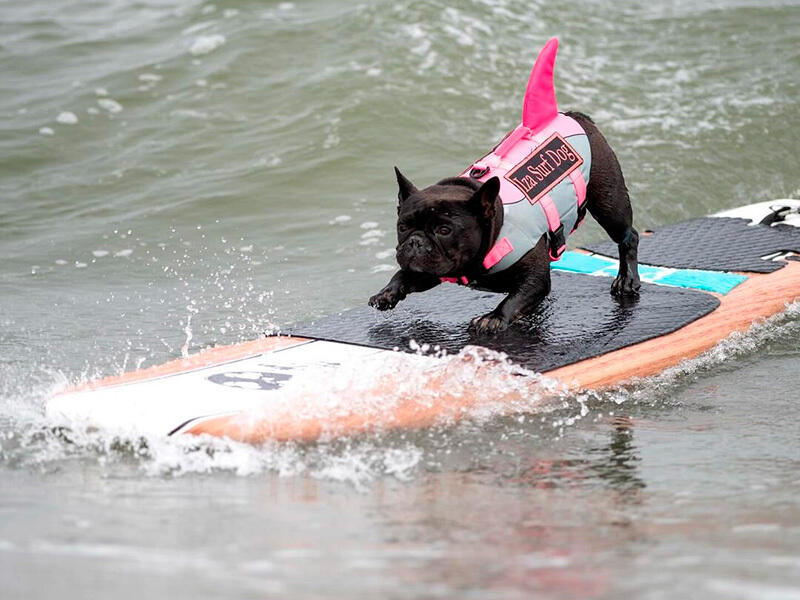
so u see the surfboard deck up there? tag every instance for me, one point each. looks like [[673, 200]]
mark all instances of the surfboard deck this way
[[343, 375]]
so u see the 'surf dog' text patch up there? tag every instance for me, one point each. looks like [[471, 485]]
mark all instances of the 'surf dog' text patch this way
[[545, 167]]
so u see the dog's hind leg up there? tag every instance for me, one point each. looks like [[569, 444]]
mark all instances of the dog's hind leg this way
[[612, 209], [627, 281], [608, 202]]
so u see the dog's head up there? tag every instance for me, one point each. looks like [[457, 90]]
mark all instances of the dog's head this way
[[445, 229]]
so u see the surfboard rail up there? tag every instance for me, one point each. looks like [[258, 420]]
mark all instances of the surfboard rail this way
[[238, 391]]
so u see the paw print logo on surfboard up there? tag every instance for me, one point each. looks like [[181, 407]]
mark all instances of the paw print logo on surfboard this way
[[252, 380]]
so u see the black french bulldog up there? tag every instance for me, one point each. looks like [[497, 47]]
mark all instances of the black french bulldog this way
[[445, 230]]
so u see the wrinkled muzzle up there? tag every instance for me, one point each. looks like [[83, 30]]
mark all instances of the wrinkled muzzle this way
[[415, 253], [418, 253]]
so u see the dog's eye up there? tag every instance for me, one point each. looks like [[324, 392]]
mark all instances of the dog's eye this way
[[402, 228], [444, 230]]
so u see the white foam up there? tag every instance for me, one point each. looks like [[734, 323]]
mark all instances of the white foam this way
[[431, 59], [369, 225], [46, 131], [783, 561], [331, 141], [258, 566], [188, 112], [101, 91], [372, 388], [383, 268], [150, 77], [741, 589], [414, 31], [481, 383], [110, 105], [340, 219], [735, 345], [92, 110], [205, 44], [124, 253], [385, 253], [197, 27], [67, 118], [756, 528], [373, 233], [273, 160], [461, 37], [99, 253]]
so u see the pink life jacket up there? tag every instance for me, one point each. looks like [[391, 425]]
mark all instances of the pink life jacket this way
[[543, 166]]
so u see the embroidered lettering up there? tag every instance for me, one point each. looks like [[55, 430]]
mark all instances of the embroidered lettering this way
[[544, 167]]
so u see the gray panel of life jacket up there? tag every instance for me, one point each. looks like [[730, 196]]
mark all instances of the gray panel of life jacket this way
[[524, 223]]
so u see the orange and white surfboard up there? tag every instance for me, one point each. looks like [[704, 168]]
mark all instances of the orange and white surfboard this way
[[301, 388]]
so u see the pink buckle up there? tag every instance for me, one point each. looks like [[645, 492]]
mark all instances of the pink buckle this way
[[500, 250], [559, 252], [557, 239]]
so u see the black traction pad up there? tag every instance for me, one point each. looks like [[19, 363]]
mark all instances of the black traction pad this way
[[580, 319], [713, 243]]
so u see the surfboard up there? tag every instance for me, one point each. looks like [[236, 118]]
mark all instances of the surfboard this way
[[361, 370]]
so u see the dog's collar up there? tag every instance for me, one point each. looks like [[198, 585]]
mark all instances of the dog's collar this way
[[499, 250], [459, 280]]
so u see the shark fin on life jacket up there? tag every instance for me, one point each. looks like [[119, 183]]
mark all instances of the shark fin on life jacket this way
[[539, 106]]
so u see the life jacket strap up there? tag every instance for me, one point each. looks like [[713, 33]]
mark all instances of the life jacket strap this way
[[500, 250], [511, 140], [557, 240], [579, 183]]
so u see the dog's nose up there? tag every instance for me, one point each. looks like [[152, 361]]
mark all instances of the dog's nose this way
[[416, 242]]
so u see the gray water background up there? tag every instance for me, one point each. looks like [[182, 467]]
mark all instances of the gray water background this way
[[230, 172]]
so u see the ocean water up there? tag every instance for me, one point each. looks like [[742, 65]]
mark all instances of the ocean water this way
[[176, 174]]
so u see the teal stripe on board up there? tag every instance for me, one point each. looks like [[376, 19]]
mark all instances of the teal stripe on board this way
[[709, 281]]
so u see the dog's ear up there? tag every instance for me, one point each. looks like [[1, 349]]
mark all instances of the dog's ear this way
[[483, 201], [406, 188]]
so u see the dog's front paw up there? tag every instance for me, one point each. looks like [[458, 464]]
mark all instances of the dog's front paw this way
[[386, 299], [488, 324], [625, 286]]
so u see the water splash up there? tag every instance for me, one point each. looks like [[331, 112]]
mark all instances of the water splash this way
[[191, 310], [514, 402]]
